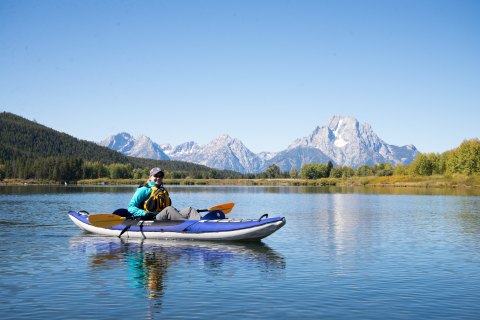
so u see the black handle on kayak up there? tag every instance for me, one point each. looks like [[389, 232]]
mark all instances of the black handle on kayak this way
[[263, 216]]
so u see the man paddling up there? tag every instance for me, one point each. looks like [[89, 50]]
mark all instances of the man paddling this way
[[152, 201]]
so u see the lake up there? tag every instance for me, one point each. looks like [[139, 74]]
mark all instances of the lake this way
[[345, 253]]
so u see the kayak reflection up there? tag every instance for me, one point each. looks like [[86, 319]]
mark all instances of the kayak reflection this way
[[148, 260]]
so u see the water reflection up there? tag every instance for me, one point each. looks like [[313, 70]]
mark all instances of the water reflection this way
[[61, 189], [225, 189], [329, 190], [148, 261], [469, 216]]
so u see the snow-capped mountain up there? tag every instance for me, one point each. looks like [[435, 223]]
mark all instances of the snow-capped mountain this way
[[181, 150], [121, 142], [347, 142], [141, 147], [343, 141], [265, 156], [223, 152]]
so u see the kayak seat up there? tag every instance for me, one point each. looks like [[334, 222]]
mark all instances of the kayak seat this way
[[214, 215]]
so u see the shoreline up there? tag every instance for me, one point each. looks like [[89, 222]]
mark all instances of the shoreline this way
[[463, 182]]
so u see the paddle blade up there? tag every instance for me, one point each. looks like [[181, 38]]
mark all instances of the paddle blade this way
[[104, 220], [225, 207]]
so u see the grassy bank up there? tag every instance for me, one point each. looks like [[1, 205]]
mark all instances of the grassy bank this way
[[392, 181]]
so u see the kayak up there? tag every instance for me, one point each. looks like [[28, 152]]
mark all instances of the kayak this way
[[216, 229]]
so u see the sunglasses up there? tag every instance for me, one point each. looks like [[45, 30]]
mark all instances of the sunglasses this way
[[159, 175]]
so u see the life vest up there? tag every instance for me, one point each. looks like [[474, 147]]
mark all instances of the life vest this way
[[158, 200]]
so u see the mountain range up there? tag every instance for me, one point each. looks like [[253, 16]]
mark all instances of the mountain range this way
[[343, 141]]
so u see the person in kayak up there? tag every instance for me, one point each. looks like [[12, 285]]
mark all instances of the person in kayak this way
[[152, 201]]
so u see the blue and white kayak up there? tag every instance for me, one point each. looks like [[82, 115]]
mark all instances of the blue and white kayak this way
[[221, 229]]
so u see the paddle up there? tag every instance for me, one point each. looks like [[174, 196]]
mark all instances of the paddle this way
[[103, 220], [224, 207], [109, 219]]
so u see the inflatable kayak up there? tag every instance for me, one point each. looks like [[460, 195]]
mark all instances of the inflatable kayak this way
[[217, 229]]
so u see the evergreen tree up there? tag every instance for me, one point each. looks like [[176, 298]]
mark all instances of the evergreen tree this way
[[294, 173], [329, 167]]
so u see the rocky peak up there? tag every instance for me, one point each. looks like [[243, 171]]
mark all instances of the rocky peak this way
[[344, 141]]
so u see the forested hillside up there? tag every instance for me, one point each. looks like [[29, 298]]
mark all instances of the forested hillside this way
[[24, 139], [29, 150]]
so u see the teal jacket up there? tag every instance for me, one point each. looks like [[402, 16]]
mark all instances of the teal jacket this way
[[141, 195]]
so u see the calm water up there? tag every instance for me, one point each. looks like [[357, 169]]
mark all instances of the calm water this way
[[343, 254]]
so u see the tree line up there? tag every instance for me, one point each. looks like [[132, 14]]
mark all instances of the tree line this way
[[463, 160], [74, 169]]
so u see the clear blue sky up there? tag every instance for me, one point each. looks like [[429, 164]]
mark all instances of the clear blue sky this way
[[265, 72]]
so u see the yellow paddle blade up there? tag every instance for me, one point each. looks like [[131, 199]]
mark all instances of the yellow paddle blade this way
[[103, 220], [225, 207]]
